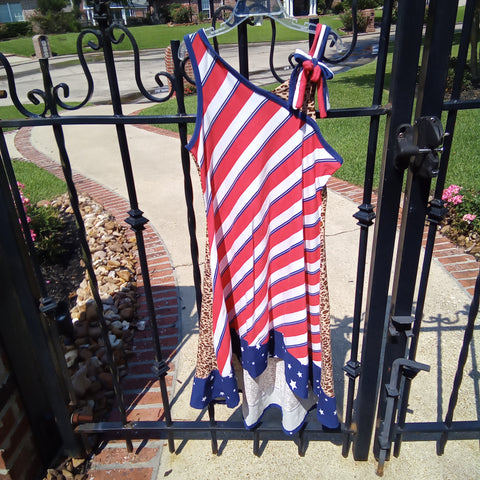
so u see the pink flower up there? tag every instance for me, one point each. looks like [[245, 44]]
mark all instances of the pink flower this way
[[457, 199], [469, 217], [450, 193]]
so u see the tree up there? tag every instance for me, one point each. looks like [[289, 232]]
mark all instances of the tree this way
[[54, 6]]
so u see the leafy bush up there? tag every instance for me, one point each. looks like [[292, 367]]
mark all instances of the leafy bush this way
[[138, 21], [15, 29], [467, 75], [48, 226], [338, 8], [182, 14], [46, 6], [463, 217], [347, 20], [55, 22]]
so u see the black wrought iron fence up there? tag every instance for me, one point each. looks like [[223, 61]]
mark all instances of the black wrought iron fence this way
[[409, 152]]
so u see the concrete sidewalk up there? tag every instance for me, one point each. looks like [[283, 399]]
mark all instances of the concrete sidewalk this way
[[159, 181]]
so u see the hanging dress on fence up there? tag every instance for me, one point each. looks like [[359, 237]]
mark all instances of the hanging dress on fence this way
[[264, 324]]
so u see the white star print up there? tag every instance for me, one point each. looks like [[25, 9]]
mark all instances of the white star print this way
[[289, 366], [299, 374], [204, 399], [258, 347], [293, 384], [321, 412]]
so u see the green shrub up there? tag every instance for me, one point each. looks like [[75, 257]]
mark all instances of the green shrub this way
[[364, 4], [338, 8], [182, 14], [48, 226], [138, 21], [467, 75], [347, 20], [46, 6], [55, 22], [15, 29]]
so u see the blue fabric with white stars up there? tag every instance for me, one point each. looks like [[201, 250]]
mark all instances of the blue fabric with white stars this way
[[254, 359]]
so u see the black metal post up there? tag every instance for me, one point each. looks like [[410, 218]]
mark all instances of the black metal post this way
[[187, 178], [438, 41], [243, 49], [24, 340], [402, 91], [436, 210], [365, 218]]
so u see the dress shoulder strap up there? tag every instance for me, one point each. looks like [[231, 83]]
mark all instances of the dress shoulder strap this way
[[311, 70]]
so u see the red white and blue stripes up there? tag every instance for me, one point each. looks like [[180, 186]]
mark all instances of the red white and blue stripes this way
[[262, 167]]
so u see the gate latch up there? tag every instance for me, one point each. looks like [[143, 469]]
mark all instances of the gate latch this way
[[418, 146]]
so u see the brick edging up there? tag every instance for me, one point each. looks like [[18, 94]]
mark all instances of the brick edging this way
[[141, 388]]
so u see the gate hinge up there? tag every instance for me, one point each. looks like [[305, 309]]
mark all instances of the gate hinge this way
[[418, 146]]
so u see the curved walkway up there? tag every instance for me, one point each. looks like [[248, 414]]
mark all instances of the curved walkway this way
[[141, 391]]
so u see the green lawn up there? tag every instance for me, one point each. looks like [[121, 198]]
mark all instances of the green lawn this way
[[39, 184], [157, 36]]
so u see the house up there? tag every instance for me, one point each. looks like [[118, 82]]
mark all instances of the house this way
[[120, 13], [21, 10], [16, 11], [293, 8]]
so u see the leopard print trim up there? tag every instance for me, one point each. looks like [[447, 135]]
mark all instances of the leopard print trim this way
[[327, 367], [206, 358], [308, 106]]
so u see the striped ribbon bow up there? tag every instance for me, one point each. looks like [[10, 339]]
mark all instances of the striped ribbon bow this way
[[312, 71]]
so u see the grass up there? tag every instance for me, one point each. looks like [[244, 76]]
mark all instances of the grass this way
[[156, 36], [39, 184], [159, 36], [10, 112]]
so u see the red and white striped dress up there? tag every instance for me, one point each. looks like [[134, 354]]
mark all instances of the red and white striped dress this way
[[263, 165]]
